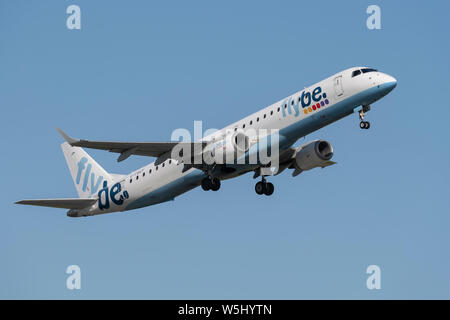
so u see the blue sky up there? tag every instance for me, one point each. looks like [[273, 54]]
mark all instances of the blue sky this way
[[137, 70]]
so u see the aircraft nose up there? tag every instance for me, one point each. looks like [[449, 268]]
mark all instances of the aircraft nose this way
[[390, 82]]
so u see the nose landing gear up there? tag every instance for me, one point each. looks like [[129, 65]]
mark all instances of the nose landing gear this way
[[364, 124], [264, 187]]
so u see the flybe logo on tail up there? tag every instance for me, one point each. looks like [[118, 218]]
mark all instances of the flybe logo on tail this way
[[115, 193], [309, 102], [88, 175]]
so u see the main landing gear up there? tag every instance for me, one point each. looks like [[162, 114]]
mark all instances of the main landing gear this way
[[264, 187], [210, 183], [364, 124]]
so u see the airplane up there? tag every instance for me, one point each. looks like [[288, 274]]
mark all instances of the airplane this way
[[174, 173]]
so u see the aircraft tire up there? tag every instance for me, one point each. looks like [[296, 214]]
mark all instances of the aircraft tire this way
[[269, 189], [206, 184], [260, 187], [215, 184]]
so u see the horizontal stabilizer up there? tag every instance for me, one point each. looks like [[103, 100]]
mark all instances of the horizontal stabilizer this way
[[76, 203]]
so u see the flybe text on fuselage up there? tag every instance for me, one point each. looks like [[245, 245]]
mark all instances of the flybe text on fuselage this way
[[309, 102]]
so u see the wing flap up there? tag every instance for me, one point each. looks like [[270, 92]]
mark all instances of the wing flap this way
[[75, 203]]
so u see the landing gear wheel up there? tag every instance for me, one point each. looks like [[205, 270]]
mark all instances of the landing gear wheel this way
[[215, 184], [364, 124], [269, 189], [260, 187], [206, 184]]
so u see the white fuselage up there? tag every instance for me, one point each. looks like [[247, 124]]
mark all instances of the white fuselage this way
[[337, 97]]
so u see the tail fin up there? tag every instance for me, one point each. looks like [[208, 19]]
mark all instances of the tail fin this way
[[88, 176]]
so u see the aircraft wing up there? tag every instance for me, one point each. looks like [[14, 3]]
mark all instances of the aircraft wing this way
[[126, 149], [74, 203]]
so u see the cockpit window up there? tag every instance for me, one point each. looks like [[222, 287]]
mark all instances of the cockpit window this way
[[368, 70], [356, 73]]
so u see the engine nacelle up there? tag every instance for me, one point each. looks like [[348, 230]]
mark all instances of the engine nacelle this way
[[313, 154], [230, 148]]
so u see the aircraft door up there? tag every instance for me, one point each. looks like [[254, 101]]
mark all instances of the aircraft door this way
[[338, 89]]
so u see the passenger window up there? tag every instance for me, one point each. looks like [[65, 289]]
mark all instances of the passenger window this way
[[264, 115], [170, 161], [243, 126], [137, 177], [251, 122], [163, 164], [257, 119], [131, 180], [278, 109], [271, 112], [156, 168], [150, 171], [143, 174]]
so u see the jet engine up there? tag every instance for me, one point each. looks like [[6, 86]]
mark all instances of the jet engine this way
[[230, 148], [314, 154]]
